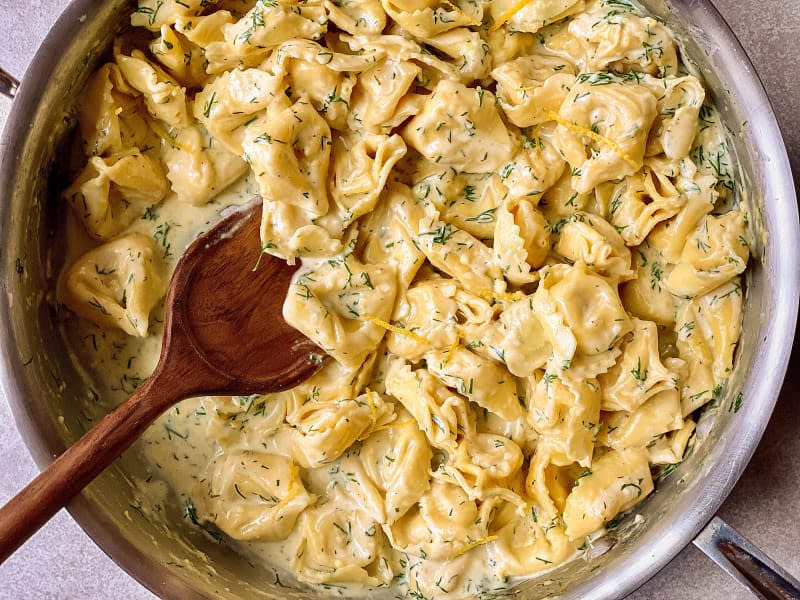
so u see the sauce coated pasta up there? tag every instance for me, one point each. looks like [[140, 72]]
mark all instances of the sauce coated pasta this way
[[516, 240]]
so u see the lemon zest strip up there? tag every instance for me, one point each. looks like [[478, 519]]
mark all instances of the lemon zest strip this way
[[600, 139], [294, 476], [466, 548], [452, 349], [395, 329]]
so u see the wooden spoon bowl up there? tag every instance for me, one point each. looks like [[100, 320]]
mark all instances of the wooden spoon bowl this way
[[224, 334], [224, 311]]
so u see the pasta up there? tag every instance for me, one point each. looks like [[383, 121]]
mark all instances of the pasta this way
[[519, 245]]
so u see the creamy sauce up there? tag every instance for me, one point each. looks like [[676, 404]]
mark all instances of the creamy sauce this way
[[178, 448], [488, 413]]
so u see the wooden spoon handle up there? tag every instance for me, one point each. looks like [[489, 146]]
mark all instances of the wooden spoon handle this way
[[68, 474]]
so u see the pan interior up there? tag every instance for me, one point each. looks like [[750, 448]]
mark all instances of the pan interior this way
[[154, 539]]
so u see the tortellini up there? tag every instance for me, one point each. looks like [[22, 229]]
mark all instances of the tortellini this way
[[111, 192], [229, 103], [460, 126], [622, 41], [429, 18], [116, 284], [256, 496], [198, 167], [290, 154], [108, 117], [532, 16], [567, 416], [379, 92], [603, 127], [707, 329], [646, 296], [529, 86], [518, 241], [426, 313], [716, 252], [164, 98], [153, 14], [618, 480], [361, 167], [591, 240], [677, 124], [357, 16], [656, 416], [180, 57], [397, 459], [248, 41], [522, 240], [326, 429], [641, 202], [340, 543], [639, 373], [530, 332], [443, 523], [439, 412], [336, 304], [591, 308], [482, 381], [523, 542]]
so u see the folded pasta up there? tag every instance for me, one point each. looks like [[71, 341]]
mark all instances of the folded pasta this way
[[520, 243]]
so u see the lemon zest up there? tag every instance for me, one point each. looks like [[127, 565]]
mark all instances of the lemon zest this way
[[600, 139], [467, 547], [452, 349], [515, 8], [395, 329], [294, 477]]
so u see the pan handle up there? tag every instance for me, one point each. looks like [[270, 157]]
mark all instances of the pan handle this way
[[8, 84], [747, 564]]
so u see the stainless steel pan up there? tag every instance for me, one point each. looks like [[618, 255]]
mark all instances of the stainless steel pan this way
[[172, 559]]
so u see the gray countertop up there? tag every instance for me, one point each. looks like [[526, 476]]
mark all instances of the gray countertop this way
[[61, 562]]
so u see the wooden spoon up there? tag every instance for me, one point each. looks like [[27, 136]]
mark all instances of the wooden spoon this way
[[224, 334]]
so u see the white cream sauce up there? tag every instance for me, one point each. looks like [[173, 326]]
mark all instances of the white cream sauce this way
[[178, 448]]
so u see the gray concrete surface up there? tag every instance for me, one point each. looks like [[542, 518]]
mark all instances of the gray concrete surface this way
[[61, 562]]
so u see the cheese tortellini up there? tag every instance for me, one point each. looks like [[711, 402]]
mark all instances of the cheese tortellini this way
[[116, 284], [519, 244], [256, 496]]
